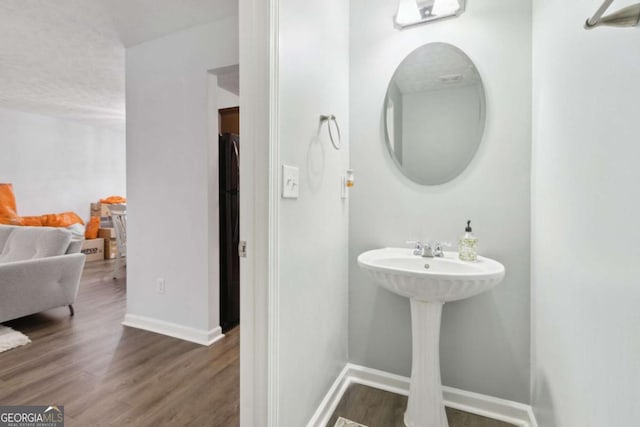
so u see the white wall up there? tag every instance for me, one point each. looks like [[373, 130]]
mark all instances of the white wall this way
[[313, 240], [431, 130], [173, 222], [485, 339], [58, 165], [586, 319], [227, 99], [393, 116]]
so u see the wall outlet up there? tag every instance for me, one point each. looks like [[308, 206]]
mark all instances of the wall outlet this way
[[160, 286]]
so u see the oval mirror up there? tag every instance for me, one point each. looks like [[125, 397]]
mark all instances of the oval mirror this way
[[434, 113]]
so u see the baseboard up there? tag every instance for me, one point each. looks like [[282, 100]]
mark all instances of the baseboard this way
[[514, 413], [508, 411], [331, 400], [174, 330]]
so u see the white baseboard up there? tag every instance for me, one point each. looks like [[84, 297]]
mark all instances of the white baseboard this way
[[174, 330], [515, 413], [331, 399]]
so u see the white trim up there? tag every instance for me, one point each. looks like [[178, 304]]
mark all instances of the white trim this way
[[273, 396], [174, 330], [258, 203], [508, 411], [379, 379], [331, 400], [515, 413]]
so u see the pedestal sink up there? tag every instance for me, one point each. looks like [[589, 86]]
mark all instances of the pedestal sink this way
[[428, 283]]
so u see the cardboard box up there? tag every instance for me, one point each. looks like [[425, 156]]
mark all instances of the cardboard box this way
[[106, 222], [104, 209], [93, 249], [110, 249], [95, 209], [107, 233]]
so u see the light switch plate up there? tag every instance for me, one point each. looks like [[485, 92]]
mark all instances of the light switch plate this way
[[290, 182]]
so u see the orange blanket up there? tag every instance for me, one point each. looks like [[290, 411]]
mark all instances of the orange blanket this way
[[114, 200], [9, 213], [91, 232]]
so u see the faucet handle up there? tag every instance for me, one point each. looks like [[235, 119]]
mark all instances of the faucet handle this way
[[435, 248], [439, 244], [432, 248], [418, 246]]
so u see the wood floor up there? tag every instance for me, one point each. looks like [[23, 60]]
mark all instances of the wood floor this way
[[108, 375], [376, 408]]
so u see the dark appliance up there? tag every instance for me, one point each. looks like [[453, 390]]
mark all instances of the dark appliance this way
[[229, 157]]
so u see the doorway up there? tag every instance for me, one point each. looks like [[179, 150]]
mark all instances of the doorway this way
[[226, 85], [229, 199], [229, 120]]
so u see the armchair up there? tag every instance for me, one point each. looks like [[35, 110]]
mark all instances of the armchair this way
[[38, 270]]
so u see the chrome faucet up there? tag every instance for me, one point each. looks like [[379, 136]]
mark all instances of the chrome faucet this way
[[428, 249], [418, 247]]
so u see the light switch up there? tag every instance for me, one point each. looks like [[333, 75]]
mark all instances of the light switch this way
[[290, 182]]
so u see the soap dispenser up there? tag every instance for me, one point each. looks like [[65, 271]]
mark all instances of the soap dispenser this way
[[468, 245]]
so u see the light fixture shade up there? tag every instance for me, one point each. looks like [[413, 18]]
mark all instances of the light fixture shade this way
[[414, 12], [407, 13]]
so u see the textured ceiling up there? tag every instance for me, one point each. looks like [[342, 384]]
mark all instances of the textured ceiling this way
[[435, 66], [61, 58], [65, 58]]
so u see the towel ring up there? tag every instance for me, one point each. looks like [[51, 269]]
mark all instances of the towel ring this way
[[331, 118]]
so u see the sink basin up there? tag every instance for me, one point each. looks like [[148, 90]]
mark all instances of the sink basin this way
[[428, 283], [430, 279]]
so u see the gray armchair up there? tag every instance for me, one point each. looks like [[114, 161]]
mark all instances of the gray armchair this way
[[40, 268]]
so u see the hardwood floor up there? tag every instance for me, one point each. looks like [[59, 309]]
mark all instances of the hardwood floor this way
[[376, 408], [108, 375]]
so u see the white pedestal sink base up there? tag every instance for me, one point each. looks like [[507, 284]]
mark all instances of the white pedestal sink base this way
[[425, 407], [437, 280]]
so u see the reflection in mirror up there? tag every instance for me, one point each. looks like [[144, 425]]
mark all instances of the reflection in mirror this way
[[434, 113]]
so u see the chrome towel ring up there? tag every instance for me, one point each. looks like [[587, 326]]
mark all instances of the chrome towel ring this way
[[331, 118]]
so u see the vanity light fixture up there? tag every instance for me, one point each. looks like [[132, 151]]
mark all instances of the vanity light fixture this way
[[414, 12]]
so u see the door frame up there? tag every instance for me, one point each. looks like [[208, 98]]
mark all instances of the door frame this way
[[259, 200]]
